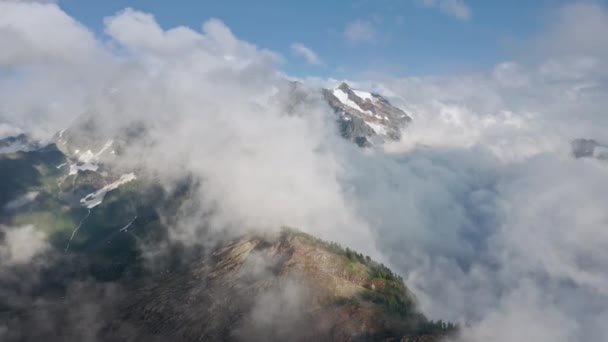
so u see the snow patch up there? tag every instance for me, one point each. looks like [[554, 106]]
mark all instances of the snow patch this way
[[365, 96], [75, 168], [96, 198], [87, 160], [124, 229], [89, 156], [86, 157], [343, 97]]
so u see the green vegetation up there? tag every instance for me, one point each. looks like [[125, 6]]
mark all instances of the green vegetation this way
[[376, 270], [386, 288], [54, 223], [393, 296], [24, 171], [110, 252]]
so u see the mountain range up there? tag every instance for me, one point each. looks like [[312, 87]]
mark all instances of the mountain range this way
[[102, 223], [107, 230]]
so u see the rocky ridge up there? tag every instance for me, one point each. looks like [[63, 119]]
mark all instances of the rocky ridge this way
[[365, 118]]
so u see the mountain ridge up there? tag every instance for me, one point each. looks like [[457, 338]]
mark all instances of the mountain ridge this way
[[365, 118], [329, 292]]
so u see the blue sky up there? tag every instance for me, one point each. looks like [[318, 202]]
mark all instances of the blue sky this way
[[396, 37]]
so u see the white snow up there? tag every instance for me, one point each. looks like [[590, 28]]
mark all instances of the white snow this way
[[87, 160], [67, 247], [379, 129], [106, 146], [75, 168], [89, 156], [124, 229], [96, 198], [86, 157], [365, 95], [343, 97]]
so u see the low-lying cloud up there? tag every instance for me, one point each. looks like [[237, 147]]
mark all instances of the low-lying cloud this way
[[480, 207]]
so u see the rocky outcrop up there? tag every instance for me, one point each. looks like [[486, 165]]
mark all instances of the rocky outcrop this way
[[366, 118], [287, 286], [276, 286], [589, 148]]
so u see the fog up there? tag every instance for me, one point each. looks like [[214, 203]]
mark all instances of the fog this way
[[481, 207]]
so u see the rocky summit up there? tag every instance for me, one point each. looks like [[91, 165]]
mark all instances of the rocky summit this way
[[285, 286], [589, 148], [365, 118]]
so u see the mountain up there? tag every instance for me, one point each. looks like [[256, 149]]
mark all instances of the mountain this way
[[97, 279], [589, 148], [365, 118], [277, 287]]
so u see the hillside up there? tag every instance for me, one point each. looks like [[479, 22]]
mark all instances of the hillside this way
[[282, 286], [101, 228]]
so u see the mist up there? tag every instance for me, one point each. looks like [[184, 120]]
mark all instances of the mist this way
[[480, 207]]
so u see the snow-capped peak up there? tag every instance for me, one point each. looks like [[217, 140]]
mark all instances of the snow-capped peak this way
[[343, 97], [364, 115]]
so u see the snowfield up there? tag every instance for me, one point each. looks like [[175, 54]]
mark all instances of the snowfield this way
[[96, 198]]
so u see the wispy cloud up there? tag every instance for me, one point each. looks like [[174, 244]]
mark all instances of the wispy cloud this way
[[486, 216], [360, 32], [301, 50], [454, 8]]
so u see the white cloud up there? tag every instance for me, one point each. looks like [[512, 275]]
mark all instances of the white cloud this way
[[510, 74], [21, 245], [481, 207], [39, 1], [455, 8], [23, 27], [360, 32], [576, 31], [303, 51]]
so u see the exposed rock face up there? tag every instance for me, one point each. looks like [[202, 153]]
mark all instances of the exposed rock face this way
[[283, 286], [589, 148], [365, 118]]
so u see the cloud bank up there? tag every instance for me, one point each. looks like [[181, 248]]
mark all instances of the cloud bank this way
[[300, 50], [481, 207]]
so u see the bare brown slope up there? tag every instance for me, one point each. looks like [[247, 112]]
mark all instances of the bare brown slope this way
[[288, 287]]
